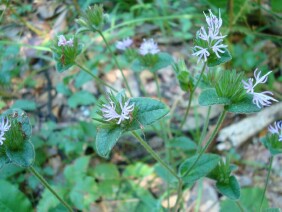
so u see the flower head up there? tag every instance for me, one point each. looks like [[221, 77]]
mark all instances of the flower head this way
[[124, 44], [4, 127], [62, 41], [201, 53], [212, 38], [110, 113], [148, 47], [260, 99], [276, 128]]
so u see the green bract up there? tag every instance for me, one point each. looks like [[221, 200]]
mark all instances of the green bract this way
[[225, 183], [146, 111], [272, 143], [65, 55], [92, 19], [226, 88], [183, 75], [17, 148], [151, 62]]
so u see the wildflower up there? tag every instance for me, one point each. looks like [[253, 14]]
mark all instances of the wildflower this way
[[263, 98], [212, 38], [4, 127], [148, 47], [203, 52], [124, 44], [109, 111], [218, 47], [63, 42], [276, 129]]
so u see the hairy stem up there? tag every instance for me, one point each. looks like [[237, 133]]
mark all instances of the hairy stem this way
[[166, 166], [191, 96], [116, 62], [98, 80], [46, 184], [204, 130], [218, 124], [266, 182]]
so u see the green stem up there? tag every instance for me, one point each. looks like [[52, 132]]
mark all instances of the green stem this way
[[167, 167], [266, 183], [204, 131], [115, 60], [98, 80], [218, 124], [158, 86], [46, 184], [191, 96], [240, 206]]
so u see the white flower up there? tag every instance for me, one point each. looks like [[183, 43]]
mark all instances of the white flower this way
[[276, 129], [202, 52], [148, 47], [4, 127], [109, 111], [124, 44], [260, 99], [214, 24], [217, 47], [212, 37], [62, 41]]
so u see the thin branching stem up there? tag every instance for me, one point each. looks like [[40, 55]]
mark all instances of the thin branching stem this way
[[164, 164], [266, 182], [98, 80], [116, 62], [218, 124], [191, 96], [46, 185]]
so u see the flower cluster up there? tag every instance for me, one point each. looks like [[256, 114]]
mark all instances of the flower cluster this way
[[4, 127], [210, 41], [260, 99], [124, 44], [109, 111], [149, 47], [276, 129], [62, 41]]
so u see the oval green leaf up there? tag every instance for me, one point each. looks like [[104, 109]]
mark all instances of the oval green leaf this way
[[148, 111], [244, 106], [230, 189], [209, 97], [204, 165], [106, 139], [23, 157], [213, 60]]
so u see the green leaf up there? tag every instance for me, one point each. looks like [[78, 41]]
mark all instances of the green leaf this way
[[276, 6], [138, 170], [272, 143], [164, 60], [248, 199], [106, 171], [230, 189], [272, 210], [209, 97], [106, 139], [23, 157], [148, 111], [204, 165], [83, 77], [244, 106], [77, 170], [84, 193], [81, 98], [12, 199], [165, 174], [213, 60], [183, 143], [24, 105]]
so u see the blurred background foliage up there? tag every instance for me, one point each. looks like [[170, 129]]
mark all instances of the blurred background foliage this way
[[61, 106]]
